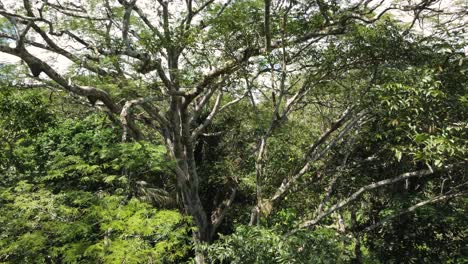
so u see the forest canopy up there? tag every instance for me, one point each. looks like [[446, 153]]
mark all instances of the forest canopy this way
[[233, 131]]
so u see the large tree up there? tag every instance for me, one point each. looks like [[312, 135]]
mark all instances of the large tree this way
[[166, 70]]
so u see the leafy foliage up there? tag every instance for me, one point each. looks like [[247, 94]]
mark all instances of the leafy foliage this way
[[303, 132], [67, 188], [265, 245], [38, 226]]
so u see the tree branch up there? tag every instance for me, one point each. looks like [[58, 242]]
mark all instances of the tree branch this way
[[79, 90], [128, 124], [129, 6], [216, 110], [411, 209], [220, 212], [314, 155], [266, 24], [359, 192]]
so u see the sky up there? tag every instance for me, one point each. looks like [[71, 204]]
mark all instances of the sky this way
[[61, 63]]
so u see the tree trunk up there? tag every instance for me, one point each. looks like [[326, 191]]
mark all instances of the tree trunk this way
[[181, 148], [193, 206]]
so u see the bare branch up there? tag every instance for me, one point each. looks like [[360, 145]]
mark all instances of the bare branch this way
[[411, 209], [359, 192]]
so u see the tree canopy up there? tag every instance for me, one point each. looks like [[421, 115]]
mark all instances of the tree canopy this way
[[233, 131]]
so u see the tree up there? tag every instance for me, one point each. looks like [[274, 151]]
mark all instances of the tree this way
[[173, 68]]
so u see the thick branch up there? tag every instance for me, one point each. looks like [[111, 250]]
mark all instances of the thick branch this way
[[128, 124], [79, 90], [220, 212]]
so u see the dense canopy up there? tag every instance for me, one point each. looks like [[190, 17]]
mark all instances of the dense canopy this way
[[233, 131]]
